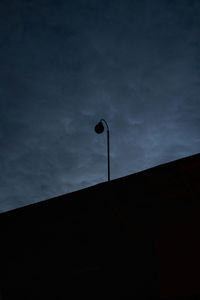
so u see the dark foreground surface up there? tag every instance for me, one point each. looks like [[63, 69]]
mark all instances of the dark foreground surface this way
[[137, 237]]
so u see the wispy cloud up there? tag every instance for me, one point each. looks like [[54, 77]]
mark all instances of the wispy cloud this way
[[65, 65]]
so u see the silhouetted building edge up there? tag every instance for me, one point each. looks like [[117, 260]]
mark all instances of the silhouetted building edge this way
[[135, 236]]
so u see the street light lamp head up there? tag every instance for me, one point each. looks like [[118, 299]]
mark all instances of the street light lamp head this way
[[99, 128]]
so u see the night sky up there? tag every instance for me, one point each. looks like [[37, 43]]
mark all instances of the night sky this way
[[64, 65]]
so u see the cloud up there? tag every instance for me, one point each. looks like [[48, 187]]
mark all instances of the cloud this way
[[65, 65]]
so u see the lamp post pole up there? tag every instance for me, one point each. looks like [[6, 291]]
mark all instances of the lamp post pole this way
[[108, 151], [99, 128]]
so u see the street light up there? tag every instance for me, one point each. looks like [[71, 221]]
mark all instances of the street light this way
[[99, 128]]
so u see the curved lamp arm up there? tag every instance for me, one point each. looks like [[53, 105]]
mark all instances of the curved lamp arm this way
[[105, 123]]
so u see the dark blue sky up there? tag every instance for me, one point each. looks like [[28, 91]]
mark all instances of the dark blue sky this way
[[66, 64]]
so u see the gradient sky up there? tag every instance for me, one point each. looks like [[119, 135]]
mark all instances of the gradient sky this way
[[64, 65]]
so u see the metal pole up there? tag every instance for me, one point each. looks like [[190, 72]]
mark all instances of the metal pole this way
[[99, 128], [108, 146]]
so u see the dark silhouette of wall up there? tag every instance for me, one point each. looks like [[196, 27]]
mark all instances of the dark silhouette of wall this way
[[134, 237]]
